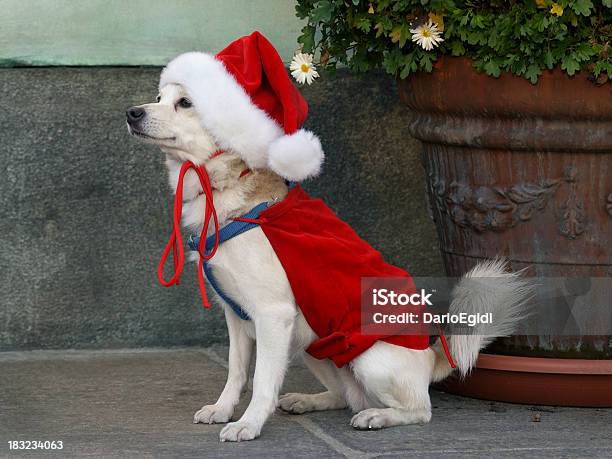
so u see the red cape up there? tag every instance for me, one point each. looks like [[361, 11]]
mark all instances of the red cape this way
[[325, 260]]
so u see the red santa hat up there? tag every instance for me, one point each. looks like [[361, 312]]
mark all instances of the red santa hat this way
[[246, 100]]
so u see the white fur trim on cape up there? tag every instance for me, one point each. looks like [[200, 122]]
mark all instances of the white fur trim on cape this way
[[297, 156], [225, 109]]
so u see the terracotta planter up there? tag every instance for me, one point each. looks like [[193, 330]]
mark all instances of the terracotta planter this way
[[541, 381], [523, 171]]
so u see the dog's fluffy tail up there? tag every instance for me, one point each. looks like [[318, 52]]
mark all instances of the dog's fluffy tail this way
[[487, 288]]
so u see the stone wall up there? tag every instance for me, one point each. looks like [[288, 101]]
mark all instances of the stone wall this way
[[85, 209]]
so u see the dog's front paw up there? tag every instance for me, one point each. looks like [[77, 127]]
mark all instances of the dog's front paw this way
[[212, 414], [240, 431]]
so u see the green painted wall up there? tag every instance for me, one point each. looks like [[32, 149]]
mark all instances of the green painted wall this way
[[135, 32]]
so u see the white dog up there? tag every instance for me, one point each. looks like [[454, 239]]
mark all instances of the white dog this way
[[385, 386]]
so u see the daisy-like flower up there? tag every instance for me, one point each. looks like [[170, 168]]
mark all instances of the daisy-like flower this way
[[303, 69], [427, 35]]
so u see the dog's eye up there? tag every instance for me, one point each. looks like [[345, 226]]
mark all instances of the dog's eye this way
[[184, 103], [158, 98]]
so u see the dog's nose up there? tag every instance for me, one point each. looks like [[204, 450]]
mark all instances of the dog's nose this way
[[135, 114]]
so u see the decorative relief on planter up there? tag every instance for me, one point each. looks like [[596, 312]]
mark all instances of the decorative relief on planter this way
[[492, 208], [572, 218], [488, 208]]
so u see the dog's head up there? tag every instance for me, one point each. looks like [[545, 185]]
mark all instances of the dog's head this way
[[172, 124]]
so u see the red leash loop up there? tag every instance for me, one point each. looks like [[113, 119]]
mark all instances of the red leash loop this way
[[176, 240], [257, 221], [449, 357]]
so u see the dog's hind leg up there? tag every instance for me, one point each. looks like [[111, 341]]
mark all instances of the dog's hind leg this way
[[332, 399], [397, 380], [240, 351]]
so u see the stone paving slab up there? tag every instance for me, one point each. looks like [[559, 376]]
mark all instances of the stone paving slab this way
[[139, 403]]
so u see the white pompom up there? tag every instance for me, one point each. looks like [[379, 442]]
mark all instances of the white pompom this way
[[296, 157]]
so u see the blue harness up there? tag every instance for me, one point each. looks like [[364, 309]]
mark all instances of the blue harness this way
[[229, 231]]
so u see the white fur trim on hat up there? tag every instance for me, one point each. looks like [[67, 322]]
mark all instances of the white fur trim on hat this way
[[225, 109], [297, 156]]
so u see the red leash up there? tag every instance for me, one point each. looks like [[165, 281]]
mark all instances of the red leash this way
[[445, 347], [176, 240]]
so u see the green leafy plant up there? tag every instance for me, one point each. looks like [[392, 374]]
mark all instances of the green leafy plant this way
[[521, 37]]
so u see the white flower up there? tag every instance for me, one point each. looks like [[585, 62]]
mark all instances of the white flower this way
[[302, 68], [427, 35]]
